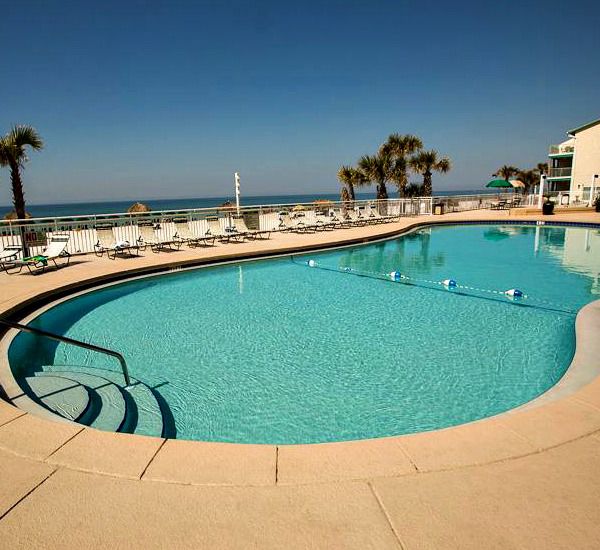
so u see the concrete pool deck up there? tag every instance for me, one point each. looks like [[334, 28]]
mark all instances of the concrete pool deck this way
[[525, 479]]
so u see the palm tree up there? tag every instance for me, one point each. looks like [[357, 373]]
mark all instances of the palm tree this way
[[542, 167], [351, 178], [399, 147], [13, 155], [506, 172], [377, 169], [399, 174], [425, 163], [345, 195], [529, 177]]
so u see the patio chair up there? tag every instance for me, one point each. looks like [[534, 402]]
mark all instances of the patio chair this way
[[56, 248], [498, 205], [184, 233], [107, 243]]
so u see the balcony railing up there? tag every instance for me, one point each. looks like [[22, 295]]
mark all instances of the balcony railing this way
[[561, 149], [560, 172]]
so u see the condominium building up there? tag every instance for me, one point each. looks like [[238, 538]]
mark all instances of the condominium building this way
[[574, 166]]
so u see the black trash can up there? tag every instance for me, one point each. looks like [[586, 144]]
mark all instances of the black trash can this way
[[438, 208], [548, 208]]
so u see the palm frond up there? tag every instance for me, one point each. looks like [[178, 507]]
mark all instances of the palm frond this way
[[22, 134]]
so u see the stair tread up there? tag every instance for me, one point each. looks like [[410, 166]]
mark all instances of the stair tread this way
[[111, 414], [149, 414], [67, 398]]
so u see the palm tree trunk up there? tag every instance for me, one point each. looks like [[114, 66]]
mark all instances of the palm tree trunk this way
[[18, 201], [17, 190], [351, 191], [381, 191], [427, 186]]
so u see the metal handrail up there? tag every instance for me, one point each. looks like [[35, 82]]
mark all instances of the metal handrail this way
[[66, 340]]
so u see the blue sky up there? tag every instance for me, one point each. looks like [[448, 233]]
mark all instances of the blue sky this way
[[144, 99]]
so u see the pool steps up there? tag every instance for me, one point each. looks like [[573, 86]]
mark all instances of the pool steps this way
[[97, 398], [62, 396]]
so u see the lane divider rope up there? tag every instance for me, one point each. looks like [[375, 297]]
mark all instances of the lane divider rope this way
[[511, 296]]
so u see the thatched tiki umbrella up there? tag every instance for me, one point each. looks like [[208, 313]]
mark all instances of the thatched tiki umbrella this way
[[138, 208], [323, 205], [13, 216]]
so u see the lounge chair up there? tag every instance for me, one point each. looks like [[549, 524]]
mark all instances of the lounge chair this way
[[185, 235], [376, 217], [355, 218], [325, 222], [341, 219], [9, 255], [295, 224], [56, 248], [214, 230], [108, 243], [149, 237], [240, 225]]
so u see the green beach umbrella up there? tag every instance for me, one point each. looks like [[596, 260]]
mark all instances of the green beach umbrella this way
[[500, 183]]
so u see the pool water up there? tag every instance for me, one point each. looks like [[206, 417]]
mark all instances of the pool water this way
[[275, 351]]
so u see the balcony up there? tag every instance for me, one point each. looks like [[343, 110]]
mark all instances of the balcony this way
[[559, 173], [561, 150]]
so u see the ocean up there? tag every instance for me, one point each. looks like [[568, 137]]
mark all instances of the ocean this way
[[113, 207]]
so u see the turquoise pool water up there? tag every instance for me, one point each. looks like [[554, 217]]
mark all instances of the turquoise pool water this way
[[275, 351]]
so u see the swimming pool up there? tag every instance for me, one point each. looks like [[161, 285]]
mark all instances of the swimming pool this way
[[277, 351]]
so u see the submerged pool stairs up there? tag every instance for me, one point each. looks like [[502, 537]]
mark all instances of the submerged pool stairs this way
[[96, 398]]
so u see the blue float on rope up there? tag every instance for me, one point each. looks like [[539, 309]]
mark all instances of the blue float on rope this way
[[395, 275], [449, 283], [514, 293]]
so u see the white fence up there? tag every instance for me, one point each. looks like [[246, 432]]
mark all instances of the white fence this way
[[82, 229]]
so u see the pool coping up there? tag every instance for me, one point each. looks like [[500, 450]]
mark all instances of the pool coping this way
[[513, 434]]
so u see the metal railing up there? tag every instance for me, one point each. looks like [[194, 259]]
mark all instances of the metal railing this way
[[83, 236], [560, 172], [463, 203], [70, 341], [560, 150]]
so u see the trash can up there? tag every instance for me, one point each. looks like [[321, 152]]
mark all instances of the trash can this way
[[548, 208], [438, 208]]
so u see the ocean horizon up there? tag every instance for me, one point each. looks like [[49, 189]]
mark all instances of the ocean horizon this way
[[120, 206]]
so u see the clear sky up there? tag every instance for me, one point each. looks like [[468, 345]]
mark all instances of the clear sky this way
[[147, 99]]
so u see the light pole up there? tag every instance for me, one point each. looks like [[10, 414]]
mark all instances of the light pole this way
[[591, 201], [237, 192], [541, 197]]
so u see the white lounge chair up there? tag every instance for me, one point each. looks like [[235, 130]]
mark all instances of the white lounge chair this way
[[184, 233], [352, 219], [56, 248], [296, 224], [107, 243], [240, 225], [215, 230], [325, 222], [148, 236], [9, 255], [374, 216]]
